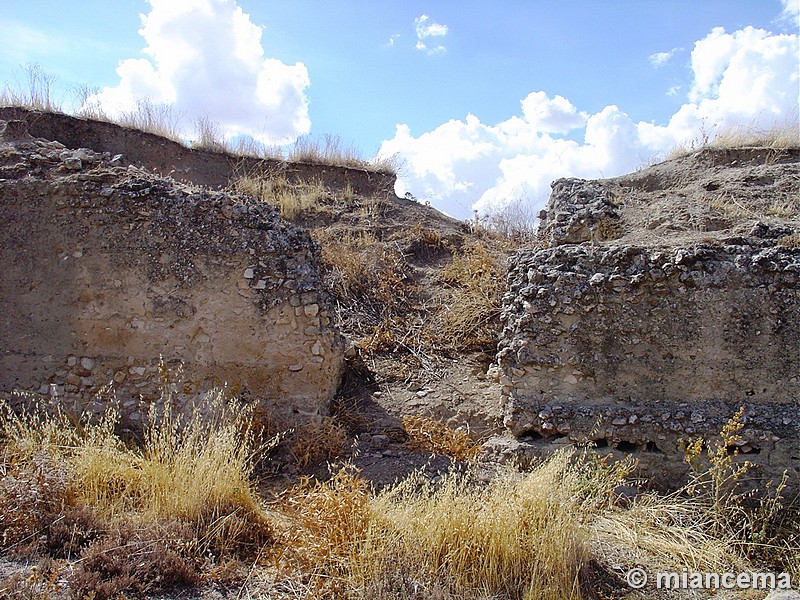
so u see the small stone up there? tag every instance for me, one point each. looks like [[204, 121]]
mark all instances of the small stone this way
[[597, 279], [72, 361], [137, 371], [120, 376], [422, 393], [619, 421], [261, 284], [571, 379], [249, 273], [311, 310], [295, 368], [87, 363], [73, 163], [380, 442]]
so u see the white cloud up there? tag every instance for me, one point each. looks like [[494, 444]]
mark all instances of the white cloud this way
[[791, 12], [205, 59], [553, 116], [749, 78], [425, 29], [659, 59]]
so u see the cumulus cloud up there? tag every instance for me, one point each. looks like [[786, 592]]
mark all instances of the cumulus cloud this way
[[205, 59], [749, 78], [426, 29]]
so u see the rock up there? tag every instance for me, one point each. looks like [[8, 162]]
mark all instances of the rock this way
[[379, 442], [73, 163], [783, 595]]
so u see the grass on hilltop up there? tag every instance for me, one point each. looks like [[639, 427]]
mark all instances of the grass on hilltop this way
[[36, 92]]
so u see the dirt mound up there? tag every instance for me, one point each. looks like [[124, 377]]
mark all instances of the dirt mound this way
[[713, 194]]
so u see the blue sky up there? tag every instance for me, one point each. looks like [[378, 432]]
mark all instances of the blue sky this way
[[485, 102]]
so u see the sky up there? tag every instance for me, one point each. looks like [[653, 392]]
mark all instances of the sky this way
[[480, 104]]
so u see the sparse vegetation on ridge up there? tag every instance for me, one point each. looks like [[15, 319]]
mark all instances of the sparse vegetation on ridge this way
[[778, 137], [36, 93]]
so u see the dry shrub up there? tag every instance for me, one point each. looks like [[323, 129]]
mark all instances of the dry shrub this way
[[761, 523], [36, 93], [158, 557], [433, 435], [35, 480], [352, 263], [329, 523], [314, 443], [40, 582], [74, 529], [374, 292], [426, 244], [209, 136], [513, 223]]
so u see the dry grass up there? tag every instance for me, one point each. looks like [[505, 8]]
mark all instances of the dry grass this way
[[469, 319], [433, 435], [332, 150], [144, 519], [759, 208], [185, 496], [523, 535], [314, 443], [778, 137], [291, 200], [36, 92]]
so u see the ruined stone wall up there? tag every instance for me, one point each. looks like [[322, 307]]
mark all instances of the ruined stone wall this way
[[105, 269], [636, 348], [191, 165]]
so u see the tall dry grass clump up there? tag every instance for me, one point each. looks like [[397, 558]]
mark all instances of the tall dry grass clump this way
[[520, 536], [139, 517], [469, 320]]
